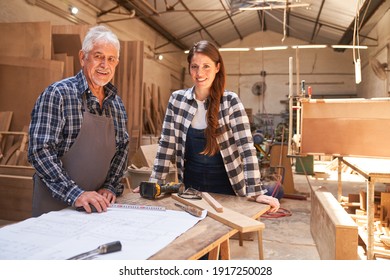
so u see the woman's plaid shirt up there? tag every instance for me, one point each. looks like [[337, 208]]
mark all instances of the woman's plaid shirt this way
[[236, 143]]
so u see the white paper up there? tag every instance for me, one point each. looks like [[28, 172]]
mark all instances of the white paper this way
[[66, 233]]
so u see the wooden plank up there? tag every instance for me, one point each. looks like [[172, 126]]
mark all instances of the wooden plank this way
[[17, 153], [385, 204], [128, 80], [210, 200], [145, 156], [25, 171], [333, 230], [5, 123], [5, 120], [15, 197], [68, 64], [228, 217]]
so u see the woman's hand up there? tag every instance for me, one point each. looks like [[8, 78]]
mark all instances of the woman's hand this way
[[136, 190], [272, 201]]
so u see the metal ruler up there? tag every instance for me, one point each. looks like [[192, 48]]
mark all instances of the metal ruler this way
[[138, 207]]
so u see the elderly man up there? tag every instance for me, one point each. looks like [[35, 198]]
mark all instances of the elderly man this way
[[78, 133]]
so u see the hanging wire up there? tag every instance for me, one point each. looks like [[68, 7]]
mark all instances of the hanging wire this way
[[284, 21]]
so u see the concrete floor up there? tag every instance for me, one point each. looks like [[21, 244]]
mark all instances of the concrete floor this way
[[289, 237]]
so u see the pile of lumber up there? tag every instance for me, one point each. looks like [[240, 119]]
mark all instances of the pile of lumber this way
[[355, 205], [333, 166]]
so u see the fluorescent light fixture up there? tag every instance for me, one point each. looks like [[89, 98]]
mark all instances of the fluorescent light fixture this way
[[234, 49], [272, 6], [274, 48], [348, 47], [309, 47]]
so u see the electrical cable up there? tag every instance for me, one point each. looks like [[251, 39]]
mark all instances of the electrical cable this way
[[282, 212]]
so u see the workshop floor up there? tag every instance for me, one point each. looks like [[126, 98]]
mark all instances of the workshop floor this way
[[289, 237]]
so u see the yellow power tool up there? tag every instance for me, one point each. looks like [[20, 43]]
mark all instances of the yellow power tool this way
[[151, 190]]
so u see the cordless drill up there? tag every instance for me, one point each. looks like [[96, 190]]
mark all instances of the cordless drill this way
[[152, 190]]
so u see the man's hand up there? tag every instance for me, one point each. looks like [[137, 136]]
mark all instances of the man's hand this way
[[107, 194], [99, 201], [272, 201]]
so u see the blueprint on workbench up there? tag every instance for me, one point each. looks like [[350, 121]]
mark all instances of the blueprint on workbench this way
[[62, 234]]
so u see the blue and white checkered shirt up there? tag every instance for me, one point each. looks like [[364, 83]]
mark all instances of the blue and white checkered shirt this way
[[236, 143], [55, 123]]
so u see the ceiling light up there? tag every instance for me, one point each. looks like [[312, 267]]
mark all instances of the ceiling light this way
[[348, 47], [309, 46], [272, 6], [271, 48], [73, 10], [234, 49]]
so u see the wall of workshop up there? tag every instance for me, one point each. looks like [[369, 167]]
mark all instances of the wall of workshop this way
[[371, 85], [166, 74], [330, 73]]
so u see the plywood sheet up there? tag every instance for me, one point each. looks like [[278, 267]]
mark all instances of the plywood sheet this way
[[26, 39], [351, 127], [69, 44], [68, 39], [22, 80]]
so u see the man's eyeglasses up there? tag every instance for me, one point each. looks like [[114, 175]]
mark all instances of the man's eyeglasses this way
[[190, 193]]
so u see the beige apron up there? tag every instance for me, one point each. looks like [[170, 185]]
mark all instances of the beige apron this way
[[87, 162]]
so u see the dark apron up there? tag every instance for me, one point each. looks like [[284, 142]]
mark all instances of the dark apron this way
[[87, 162], [202, 172]]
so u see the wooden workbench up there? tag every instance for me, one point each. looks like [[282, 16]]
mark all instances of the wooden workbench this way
[[208, 235]]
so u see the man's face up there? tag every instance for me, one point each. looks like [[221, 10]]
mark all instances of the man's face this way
[[99, 64]]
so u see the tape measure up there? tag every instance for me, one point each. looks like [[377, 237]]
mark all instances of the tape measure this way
[[138, 207]]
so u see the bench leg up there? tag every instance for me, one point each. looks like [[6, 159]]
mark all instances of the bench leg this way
[[260, 244]]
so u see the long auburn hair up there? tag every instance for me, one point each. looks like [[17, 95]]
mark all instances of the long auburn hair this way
[[216, 92]]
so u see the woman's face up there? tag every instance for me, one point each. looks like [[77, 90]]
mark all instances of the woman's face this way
[[203, 71]]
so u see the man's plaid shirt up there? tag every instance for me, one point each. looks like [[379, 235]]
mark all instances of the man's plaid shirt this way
[[236, 143], [55, 123]]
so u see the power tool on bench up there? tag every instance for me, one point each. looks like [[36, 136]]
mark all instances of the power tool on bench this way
[[151, 190]]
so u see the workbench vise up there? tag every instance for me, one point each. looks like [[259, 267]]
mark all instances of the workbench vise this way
[[151, 190]]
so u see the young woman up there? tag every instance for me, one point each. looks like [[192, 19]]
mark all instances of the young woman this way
[[206, 132]]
